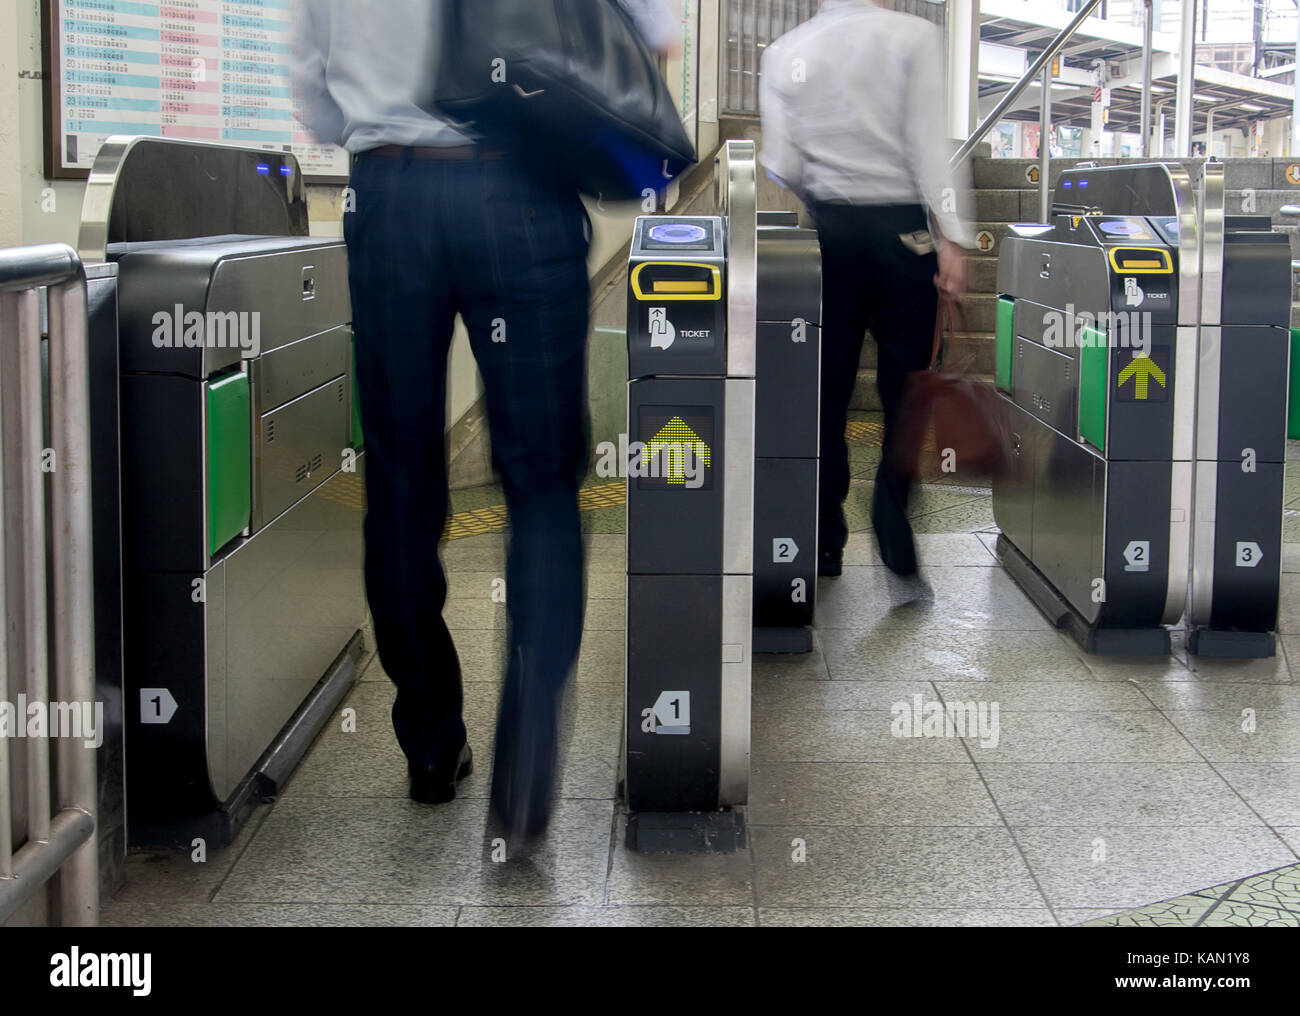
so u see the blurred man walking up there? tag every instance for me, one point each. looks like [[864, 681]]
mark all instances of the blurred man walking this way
[[445, 225], [853, 104]]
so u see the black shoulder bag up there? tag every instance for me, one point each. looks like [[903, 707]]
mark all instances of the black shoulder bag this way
[[571, 82]]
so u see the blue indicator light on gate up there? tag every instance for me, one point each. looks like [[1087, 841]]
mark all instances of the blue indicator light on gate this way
[[286, 171], [1083, 183], [677, 232], [1067, 184], [263, 169]]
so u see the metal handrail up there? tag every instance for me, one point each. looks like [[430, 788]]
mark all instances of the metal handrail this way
[[1053, 47], [60, 831]]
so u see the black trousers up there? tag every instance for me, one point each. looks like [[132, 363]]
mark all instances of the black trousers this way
[[871, 280], [507, 251]]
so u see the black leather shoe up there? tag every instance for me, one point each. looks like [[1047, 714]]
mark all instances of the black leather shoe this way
[[435, 784], [830, 562]]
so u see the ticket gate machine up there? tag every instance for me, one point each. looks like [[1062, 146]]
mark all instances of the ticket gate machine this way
[[241, 481], [1124, 407], [787, 433], [690, 517], [1241, 421], [724, 366]]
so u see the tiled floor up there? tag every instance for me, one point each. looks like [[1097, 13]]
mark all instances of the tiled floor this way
[[1110, 783]]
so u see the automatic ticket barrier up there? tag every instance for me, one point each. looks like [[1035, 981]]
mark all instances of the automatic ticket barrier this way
[[1241, 420], [1142, 358], [787, 433], [241, 478], [722, 487]]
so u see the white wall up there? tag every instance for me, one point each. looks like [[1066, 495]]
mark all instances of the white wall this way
[[11, 227]]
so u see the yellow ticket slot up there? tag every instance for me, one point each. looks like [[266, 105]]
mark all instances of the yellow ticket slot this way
[[676, 280], [1141, 261], [669, 286]]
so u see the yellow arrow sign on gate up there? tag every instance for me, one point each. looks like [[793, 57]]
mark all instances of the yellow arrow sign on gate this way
[[673, 440], [1142, 369]]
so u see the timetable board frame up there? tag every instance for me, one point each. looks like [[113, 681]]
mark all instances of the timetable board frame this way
[[682, 69], [320, 164]]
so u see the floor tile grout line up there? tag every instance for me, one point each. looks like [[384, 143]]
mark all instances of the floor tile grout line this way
[[212, 896], [613, 846], [1254, 904], [790, 824], [1213, 906], [1024, 859], [1213, 768]]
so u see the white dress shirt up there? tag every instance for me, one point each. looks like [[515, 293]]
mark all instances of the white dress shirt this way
[[853, 104], [359, 67]]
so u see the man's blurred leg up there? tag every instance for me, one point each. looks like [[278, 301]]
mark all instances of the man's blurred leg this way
[[844, 325], [902, 323], [523, 290], [402, 318]]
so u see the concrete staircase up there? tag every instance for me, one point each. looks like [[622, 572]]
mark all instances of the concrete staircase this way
[[1002, 194]]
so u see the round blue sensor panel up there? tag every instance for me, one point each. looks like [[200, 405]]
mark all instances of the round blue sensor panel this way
[[1118, 227], [678, 232]]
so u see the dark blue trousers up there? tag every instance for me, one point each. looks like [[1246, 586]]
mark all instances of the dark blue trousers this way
[[506, 251], [871, 280]]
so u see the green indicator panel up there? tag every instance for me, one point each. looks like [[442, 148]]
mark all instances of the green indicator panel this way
[[1093, 387], [1005, 342], [1293, 392], [357, 438], [230, 467]]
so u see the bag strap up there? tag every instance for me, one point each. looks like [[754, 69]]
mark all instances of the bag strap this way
[[948, 313]]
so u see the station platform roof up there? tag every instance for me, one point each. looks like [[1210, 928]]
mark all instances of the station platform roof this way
[[1013, 32]]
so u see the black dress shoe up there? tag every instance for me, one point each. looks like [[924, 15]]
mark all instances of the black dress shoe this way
[[437, 784], [830, 562]]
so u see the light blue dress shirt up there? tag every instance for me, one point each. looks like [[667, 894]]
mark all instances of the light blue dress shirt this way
[[359, 66], [853, 104]]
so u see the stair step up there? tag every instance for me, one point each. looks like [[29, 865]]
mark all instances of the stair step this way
[[1261, 201], [977, 349], [981, 274], [867, 399], [997, 204]]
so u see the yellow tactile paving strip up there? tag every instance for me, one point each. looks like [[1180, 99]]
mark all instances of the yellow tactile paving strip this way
[[491, 520], [349, 491], [346, 489], [862, 432]]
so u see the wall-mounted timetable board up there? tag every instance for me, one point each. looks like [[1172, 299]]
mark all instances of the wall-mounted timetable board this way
[[204, 70]]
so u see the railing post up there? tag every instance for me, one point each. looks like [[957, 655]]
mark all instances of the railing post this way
[[1044, 58], [8, 325], [1147, 18], [1044, 143], [73, 564], [61, 839], [1183, 118]]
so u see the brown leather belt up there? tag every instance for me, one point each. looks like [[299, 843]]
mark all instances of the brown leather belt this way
[[455, 153]]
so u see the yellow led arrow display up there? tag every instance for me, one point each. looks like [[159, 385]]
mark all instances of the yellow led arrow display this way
[[1142, 369], [672, 440]]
